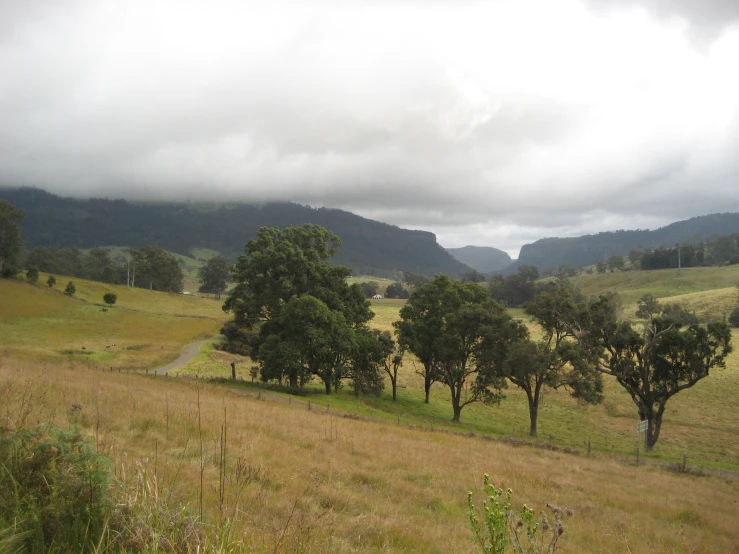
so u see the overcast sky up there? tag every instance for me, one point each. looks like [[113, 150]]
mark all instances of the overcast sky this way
[[491, 123]]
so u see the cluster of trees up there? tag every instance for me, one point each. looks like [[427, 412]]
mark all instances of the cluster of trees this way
[[149, 267], [466, 341], [516, 289], [297, 317], [614, 263], [393, 290], [715, 251]]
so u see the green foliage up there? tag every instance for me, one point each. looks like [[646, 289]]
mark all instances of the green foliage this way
[[558, 360], [473, 276], [369, 288], [70, 289], [214, 275], [109, 298], [616, 263], [656, 361], [156, 269], [294, 311], [51, 281], [457, 333], [415, 280], [396, 290], [32, 275], [53, 490], [503, 529], [11, 242], [734, 317], [517, 289]]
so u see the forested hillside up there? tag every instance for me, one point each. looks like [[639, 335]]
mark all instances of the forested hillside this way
[[484, 259], [369, 247], [586, 250]]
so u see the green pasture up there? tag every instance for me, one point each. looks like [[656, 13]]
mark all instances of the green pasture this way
[[147, 328], [661, 283], [699, 423], [143, 329]]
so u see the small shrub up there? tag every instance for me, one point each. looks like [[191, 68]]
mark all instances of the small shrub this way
[[70, 289], [505, 530], [51, 281], [32, 275], [734, 317], [109, 298], [53, 490]]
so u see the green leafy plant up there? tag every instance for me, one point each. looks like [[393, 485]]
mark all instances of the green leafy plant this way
[[54, 490], [504, 529], [109, 298]]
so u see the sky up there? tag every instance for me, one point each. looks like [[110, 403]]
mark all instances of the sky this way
[[493, 123]]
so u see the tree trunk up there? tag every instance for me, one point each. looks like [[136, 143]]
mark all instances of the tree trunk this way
[[327, 382], [293, 380], [394, 381], [533, 412], [427, 388], [456, 397], [233, 371], [654, 427]]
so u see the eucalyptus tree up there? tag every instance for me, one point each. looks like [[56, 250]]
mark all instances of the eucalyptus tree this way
[[293, 310], [558, 359], [655, 358], [459, 334]]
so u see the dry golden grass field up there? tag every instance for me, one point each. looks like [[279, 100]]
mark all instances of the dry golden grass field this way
[[299, 480]]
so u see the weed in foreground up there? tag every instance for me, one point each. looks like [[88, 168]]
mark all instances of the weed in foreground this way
[[54, 489], [503, 529]]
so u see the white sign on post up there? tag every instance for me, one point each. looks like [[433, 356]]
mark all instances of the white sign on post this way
[[642, 426]]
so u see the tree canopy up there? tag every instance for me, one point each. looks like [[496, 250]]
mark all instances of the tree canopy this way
[[214, 275], [294, 311], [655, 359], [458, 333], [558, 359]]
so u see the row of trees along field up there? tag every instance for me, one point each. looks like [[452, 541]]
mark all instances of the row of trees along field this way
[[295, 314], [715, 251], [149, 267]]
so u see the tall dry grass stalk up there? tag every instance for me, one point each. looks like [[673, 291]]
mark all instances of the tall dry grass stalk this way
[[375, 487]]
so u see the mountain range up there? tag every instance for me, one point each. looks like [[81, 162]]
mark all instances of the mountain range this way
[[368, 247], [588, 249]]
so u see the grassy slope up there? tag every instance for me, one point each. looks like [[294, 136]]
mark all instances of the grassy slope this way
[[632, 285], [331, 484], [377, 487], [143, 329], [699, 423]]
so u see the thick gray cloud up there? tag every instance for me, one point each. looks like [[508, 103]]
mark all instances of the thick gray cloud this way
[[488, 123]]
